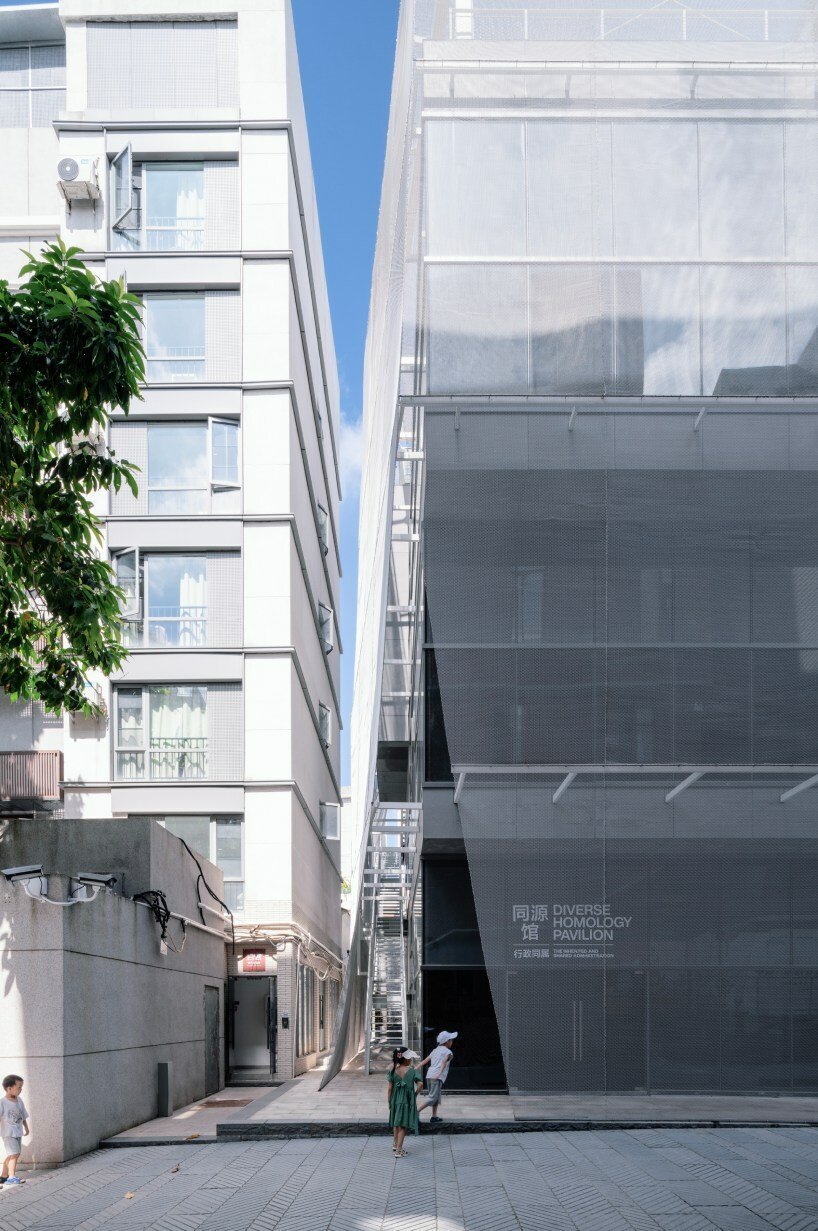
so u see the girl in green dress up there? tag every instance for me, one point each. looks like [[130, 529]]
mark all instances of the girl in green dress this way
[[401, 1096]]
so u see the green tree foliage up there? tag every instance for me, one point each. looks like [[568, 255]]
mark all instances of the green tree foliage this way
[[70, 351]]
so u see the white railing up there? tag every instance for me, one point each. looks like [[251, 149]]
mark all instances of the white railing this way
[[175, 363], [546, 24], [172, 758], [169, 626], [174, 234]]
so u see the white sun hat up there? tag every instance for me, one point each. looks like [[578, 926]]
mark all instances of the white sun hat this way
[[445, 1036]]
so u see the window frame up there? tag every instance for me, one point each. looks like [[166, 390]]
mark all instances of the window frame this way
[[210, 485], [326, 630], [121, 213], [213, 819], [139, 751], [324, 724], [144, 171], [223, 485], [145, 750], [139, 614], [130, 614], [185, 293], [323, 528], [330, 833]]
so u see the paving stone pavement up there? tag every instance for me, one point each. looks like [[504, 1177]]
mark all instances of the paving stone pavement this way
[[744, 1179]]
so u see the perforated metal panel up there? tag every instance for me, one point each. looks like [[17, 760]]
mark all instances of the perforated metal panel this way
[[222, 187], [620, 593], [223, 335], [224, 598], [225, 725], [596, 275], [173, 63], [130, 442]]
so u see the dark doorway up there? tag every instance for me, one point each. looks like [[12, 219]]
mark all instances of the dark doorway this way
[[211, 1027], [252, 1029], [461, 1000]]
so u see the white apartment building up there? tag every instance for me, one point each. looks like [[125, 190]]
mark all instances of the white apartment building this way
[[168, 142]]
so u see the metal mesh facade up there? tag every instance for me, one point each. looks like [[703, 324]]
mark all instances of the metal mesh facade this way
[[630, 626], [596, 285], [622, 589]]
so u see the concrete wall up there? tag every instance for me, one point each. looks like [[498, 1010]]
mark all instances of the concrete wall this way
[[90, 1003]]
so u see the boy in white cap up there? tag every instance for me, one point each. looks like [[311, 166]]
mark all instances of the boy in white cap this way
[[438, 1061]]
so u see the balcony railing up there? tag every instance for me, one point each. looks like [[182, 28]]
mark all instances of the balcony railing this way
[[169, 626], [167, 760], [547, 23], [30, 775], [174, 234], [175, 363]]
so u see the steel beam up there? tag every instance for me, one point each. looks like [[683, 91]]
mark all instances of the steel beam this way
[[683, 785], [802, 786], [563, 787]]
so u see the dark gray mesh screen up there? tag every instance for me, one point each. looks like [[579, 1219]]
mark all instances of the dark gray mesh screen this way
[[628, 622]]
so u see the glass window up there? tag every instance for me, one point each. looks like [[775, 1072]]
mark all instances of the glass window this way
[[175, 734], [657, 330], [478, 329], [219, 839], [656, 199], [331, 821], [176, 600], [178, 731], [742, 190], [325, 627], [323, 529], [569, 188], [126, 567], [324, 724], [175, 336], [801, 159], [225, 452], [130, 733], [572, 329], [743, 331], [122, 187], [475, 188], [173, 205], [802, 328], [178, 468], [228, 846], [195, 830]]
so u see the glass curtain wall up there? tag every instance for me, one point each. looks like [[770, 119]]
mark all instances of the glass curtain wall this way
[[620, 295]]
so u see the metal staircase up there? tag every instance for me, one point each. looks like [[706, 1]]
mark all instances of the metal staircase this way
[[387, 882]]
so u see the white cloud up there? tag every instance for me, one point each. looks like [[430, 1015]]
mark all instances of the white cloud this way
[[352, 456]]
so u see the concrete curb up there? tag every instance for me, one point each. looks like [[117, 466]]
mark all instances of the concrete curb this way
[[374, 1128], [129, 1143]]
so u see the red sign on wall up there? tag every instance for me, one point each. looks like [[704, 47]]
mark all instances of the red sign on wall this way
[[253, 961]]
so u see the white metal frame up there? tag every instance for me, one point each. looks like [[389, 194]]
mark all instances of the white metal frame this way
[[210, 484]]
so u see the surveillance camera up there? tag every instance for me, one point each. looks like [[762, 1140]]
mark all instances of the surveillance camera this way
[[102, 879], [26, 873]]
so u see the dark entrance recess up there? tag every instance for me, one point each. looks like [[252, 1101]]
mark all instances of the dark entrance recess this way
[[461, 1000], [211, 1024], [456, 992]]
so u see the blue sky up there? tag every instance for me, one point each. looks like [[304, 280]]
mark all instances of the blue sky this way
[[346, 51]]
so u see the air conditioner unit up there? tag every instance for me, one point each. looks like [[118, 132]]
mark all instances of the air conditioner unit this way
[[78, 179]]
